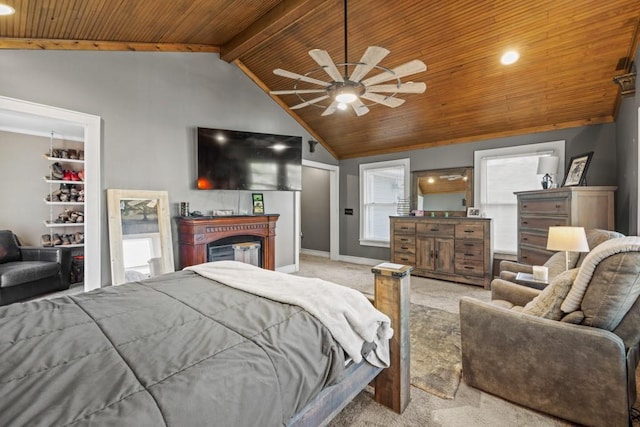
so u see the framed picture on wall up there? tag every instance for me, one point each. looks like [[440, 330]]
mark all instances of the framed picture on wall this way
[[577, 170], [258, 203]]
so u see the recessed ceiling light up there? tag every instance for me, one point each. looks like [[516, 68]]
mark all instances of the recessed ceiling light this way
[[6, 10], [510, 57]]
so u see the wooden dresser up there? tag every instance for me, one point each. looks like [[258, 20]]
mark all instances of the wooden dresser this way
[[453, 249], [588, 207]]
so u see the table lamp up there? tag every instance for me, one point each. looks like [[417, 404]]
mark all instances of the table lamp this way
[[547, 166], [567, 239]]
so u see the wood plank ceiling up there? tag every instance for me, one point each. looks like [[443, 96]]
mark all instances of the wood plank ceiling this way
[[570, 51]]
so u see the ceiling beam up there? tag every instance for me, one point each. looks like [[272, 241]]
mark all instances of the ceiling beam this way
[[59, 44], [285, 14], [285, 107]]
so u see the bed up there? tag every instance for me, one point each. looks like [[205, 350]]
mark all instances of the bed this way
[[182, 349]]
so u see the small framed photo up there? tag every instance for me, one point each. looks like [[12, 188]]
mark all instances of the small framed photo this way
[[258, 203], [577, 170], [473, 212]]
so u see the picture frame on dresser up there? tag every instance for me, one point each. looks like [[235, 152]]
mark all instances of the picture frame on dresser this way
[[473, 213], [577, 170]]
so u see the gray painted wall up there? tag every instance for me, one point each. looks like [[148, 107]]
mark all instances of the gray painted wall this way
[[627, 170], [314, 210], [602, 171], [150, 104]]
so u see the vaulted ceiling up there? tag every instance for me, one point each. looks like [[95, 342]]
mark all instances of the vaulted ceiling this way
[[569, 52]]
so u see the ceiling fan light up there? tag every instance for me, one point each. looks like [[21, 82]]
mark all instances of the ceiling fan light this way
[[6, 10], [342, 106], [346, 96], [510, 57]]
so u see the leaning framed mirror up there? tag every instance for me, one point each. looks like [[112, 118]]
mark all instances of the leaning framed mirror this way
[[441, 192], [139, 234]]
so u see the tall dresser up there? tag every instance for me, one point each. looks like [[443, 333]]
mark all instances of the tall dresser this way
[[588, 207], [453, 249]]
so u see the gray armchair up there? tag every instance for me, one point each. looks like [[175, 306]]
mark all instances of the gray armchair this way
[[569, 368], [26, 272], [556, 263]]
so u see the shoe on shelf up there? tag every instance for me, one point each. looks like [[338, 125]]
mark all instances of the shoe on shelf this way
[[80, 154], [81, 196], [81, 175], [56, 239], [54, 153], [64, 154], [79, 237], [64, 197], [73, 154], [46, 240], [74, 176], [56, 171], [80, 217], [66, 176], [66, 239]]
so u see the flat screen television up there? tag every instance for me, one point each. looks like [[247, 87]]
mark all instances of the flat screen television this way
[[237, 160]]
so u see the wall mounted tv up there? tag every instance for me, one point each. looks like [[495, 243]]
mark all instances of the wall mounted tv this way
[[236, 160]]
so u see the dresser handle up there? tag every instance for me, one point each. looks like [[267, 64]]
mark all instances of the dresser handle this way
[[525, 222], [404, 240], [468, 267], [524, 239], [469, 244], [435, 229], [525, 206], [469, 231], [404, 247], [404, 259], [557, 206], [404, 228], [469, 255]]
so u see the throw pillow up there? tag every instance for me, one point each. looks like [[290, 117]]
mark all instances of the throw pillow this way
[[547, 304]]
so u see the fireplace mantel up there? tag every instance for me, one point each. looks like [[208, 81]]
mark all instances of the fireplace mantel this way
[[195, 233]]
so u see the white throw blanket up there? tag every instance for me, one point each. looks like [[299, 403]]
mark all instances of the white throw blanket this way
[[348, 314], [605, 249]]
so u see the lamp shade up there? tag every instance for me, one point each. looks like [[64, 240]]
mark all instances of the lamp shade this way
[[548, 165], [570, 239]]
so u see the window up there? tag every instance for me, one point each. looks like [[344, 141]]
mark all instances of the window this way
[[501, 172], [382, 185]]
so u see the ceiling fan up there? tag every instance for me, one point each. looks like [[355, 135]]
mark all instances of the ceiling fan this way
[[345, 90]]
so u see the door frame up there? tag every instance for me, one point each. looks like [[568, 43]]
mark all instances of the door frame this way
[[334, 206]]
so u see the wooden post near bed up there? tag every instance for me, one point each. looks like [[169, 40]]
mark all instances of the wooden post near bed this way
[[392, 385]]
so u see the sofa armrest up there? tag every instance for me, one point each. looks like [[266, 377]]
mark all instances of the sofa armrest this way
[[575, 372], [57, 254], [515, 267], [512, 292]]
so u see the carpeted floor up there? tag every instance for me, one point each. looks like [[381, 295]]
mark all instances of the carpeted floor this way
[[469, 407]]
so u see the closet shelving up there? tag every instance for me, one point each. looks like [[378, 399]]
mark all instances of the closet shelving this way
[[56, 208]]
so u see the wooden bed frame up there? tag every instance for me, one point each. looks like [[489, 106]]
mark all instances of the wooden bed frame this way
[[392, 385]]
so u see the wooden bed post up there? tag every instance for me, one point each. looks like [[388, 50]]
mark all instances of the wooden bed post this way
[[392, 385]]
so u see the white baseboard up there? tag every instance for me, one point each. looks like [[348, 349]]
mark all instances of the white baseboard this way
[[360, 260], [313, 252], [291, 268]]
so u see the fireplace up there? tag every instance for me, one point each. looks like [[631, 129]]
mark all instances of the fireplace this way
[[198, 236], [236, 248]]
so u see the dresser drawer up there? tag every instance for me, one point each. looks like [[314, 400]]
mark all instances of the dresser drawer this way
[[542, 223], [533, 239], [469, 231], [436, 229], [469, 249], [404, 258], [404, 244], [557, 206], [534, 256], [404, 227], [466, 267]]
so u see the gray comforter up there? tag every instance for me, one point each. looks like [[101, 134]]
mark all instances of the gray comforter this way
[[177, 350]]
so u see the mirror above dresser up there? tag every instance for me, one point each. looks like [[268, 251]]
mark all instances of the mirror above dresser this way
[[441, 191]]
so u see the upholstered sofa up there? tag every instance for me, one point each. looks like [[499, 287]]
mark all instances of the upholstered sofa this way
[[556, 263], [27, 272], [570, 350]]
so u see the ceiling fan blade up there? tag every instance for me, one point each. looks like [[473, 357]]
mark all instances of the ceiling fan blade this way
[[324, 60], [411, 67], [370, 59], [359, 108], [290, 75], [296, 91], [409, 87], [309, 102], [389, 101], [330, 109]]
